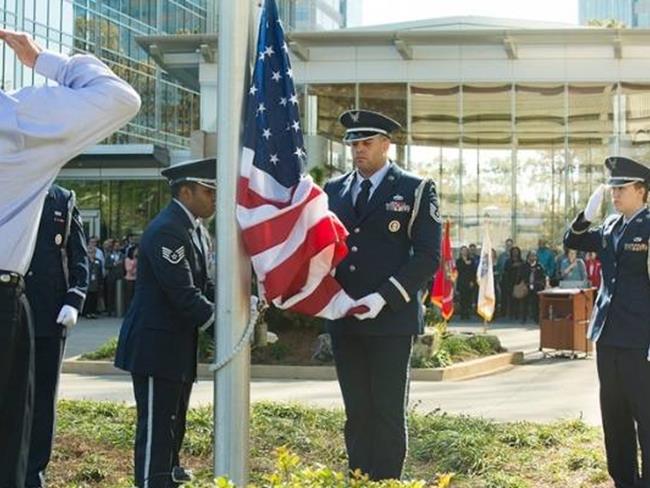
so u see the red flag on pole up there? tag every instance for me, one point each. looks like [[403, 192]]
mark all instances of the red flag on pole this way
[[442, 291]]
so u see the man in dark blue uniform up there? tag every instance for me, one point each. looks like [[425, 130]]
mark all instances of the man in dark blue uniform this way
[[620, 323], [394, 244], [158, 340], [56, 285]]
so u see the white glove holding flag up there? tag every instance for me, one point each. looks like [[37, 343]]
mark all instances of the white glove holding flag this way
[[68, 316], [375, 303], [594, 204]]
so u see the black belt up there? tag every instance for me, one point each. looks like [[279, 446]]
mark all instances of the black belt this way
[[10, 279]]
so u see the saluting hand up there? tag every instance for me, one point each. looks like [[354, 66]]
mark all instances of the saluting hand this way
[[594, 204], [374, 302], [23, 45]]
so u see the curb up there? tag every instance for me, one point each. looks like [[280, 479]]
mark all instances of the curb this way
[[465, 370]]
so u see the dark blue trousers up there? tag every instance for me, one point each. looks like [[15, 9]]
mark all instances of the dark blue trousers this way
[[48, 354], [162, 409], [624, 375], [16, 384], [373, 373]]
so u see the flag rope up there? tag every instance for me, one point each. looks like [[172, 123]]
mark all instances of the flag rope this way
[[257, 308]]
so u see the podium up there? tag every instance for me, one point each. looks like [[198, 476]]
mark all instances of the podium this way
[[564, 315]]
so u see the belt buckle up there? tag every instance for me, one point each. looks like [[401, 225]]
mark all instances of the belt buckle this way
[[5, 277]]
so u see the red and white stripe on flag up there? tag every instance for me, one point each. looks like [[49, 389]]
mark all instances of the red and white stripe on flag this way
[[294, 242]]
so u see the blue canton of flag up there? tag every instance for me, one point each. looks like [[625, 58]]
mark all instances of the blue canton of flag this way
[[273, 120]]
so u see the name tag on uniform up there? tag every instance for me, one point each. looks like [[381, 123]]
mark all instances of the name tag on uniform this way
[[396, 206], [636, 246]]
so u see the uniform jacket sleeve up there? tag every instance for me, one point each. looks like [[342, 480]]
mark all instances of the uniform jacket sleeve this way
[[425, 257], [580, 237], [169, 260], [77, 254], [89, 103]]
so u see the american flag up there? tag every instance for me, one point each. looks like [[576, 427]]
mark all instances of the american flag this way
[[294, 241]]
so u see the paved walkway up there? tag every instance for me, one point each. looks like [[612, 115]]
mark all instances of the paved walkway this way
[[542, 389]]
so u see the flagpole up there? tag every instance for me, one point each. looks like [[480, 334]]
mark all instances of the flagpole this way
[[233, 278]]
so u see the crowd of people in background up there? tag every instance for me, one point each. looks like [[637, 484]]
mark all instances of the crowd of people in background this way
[[113, 269], [518, 278]]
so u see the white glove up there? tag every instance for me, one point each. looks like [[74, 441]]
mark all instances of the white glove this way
[[67, 316], [594, 203], [375, 302]]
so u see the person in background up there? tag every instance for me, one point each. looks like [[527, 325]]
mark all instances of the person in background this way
[[546, 257], [94, 282], [500, 272], [573, 268], [594, 269], [561, 255], [510, 278], [127, 242], [474, 254], [532, 273], [130, 273], [114, 272], [99, 253], [465, 281]]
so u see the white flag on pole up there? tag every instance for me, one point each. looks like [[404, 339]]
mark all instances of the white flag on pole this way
[[485, 279]]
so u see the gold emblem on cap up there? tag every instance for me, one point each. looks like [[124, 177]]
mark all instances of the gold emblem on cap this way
[[5, 278], [394, 225], [58, 239], [355, 116]]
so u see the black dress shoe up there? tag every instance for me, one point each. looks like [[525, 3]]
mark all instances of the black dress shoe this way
[[181, 475]]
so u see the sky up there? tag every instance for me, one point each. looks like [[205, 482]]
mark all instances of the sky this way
[[389, 11]]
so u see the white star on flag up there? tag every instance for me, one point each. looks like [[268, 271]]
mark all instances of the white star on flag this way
[[274, 159], [261, 108], [276, 76], [266, 134], [294, 99]]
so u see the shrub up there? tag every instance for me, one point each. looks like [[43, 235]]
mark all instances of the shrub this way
[[441, 359], [105, 351], [281, 319], [456, 346]]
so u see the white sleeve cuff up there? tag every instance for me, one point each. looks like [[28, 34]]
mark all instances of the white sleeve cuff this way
[[400, 288], [50, 64], [77, 291]]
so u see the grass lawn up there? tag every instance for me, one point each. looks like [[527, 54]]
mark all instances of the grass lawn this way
[[94, 440]]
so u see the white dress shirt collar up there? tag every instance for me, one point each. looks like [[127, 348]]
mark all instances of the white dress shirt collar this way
[[376, 178], [627, 221]]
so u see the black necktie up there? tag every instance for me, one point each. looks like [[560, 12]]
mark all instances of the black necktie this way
[[197, 238], [363, 197]]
